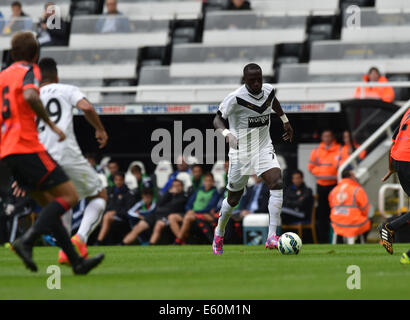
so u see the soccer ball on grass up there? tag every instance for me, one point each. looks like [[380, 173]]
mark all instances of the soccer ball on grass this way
[[289, 243]]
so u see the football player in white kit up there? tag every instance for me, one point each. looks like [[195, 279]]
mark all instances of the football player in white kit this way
[[59, 100], [251, 151]]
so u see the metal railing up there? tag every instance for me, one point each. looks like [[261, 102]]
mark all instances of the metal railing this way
[[385, 128], [382, 196]]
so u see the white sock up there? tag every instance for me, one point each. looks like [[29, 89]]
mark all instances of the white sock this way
[[91, 218], [67, 220], [275, 207], [224, 215]]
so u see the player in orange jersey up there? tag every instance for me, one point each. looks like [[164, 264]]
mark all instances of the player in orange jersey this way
[[29, 162]]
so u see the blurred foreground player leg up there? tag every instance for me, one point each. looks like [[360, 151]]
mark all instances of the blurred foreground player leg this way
[[400, 163], [248, 112], [29, 162], [68, 153]]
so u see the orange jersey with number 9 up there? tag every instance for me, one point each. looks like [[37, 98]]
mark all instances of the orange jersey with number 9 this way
[[18, 133]]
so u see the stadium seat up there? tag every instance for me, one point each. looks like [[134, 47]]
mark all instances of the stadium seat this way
[[339, 57], [378, 27], [214, 61], [94, 63], [186, 180], [182, 9], [262, 29], [160, 75], [162, 172], [255, 228], [21, 24], [34, 8], [215, 5], [288, 53], [296, 7], [393, 5], [185, 31], [130, 33], [151, 56], [294, 73], [85, 7]]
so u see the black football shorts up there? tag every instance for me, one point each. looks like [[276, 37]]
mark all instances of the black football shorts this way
[[35, 171]]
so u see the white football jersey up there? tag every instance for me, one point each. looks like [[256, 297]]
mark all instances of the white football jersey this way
[[249, 118], [59, 100]]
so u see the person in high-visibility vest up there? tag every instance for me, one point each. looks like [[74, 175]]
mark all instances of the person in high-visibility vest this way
[[323, 164], [349, 207], [399, 162], [383, 93]]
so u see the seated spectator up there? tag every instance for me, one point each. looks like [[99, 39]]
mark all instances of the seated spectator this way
[[113, 168], [182, 166], [238, 5], [200, 207], [384, 93], [350, 146], [52, 29], [140, 180], [197, 178], [173, 201], [297, 201], [142, 208], [112, 20], [349, 207], [255, 199], [120, 200], [16, 14]]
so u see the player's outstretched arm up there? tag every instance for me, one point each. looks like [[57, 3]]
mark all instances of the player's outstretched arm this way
[[220, 126], [33, 99], [288, 135], [92, 117]]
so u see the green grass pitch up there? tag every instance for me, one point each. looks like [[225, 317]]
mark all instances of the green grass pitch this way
[[192, 272]]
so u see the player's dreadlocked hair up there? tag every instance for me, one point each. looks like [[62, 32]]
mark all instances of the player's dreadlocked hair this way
[[251, 66], [48, 68]]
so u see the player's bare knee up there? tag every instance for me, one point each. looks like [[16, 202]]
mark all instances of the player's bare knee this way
[[159, 226]]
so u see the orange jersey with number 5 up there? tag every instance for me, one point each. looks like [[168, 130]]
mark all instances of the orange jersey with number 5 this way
[[18, 133]]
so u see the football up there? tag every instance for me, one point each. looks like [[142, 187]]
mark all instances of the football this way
[[289, 243]]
